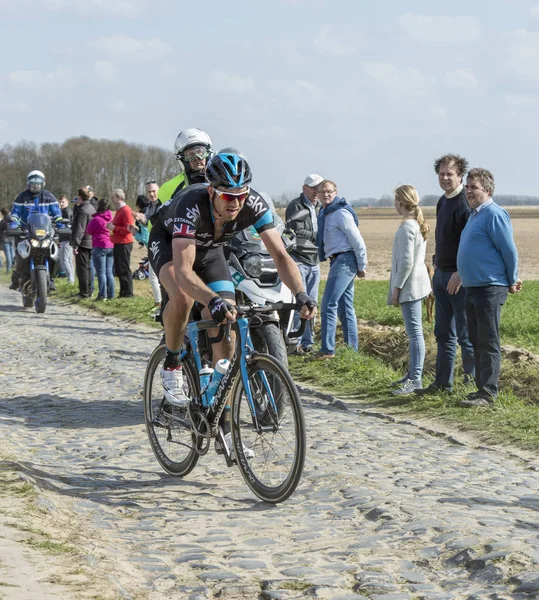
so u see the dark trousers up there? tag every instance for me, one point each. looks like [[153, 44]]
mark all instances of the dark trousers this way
[[483, 307], [450, 325], [122, 269], [82, 266]]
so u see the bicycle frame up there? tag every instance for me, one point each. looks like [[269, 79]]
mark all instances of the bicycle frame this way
[[215, 406]]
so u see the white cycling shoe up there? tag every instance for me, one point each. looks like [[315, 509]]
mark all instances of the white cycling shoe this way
[[247, 452], [172, 380]]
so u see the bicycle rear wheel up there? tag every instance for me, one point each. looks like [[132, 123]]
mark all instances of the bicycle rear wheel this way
[[276, 432], [168, 427]]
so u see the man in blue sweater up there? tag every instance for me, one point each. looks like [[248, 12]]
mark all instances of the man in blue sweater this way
[[450, 323], [487, 262]]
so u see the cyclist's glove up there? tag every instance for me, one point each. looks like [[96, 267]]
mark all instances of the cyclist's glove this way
[[218, 309], [302, 299]]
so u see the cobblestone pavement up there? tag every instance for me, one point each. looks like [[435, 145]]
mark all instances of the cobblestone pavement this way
[[384, 510]]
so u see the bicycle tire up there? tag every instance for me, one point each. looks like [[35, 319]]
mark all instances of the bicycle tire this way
[[167, 437], [266, 473], [268, 339], [41, 290]]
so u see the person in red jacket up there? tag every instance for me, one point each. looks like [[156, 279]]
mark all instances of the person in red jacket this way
[[122, 238]]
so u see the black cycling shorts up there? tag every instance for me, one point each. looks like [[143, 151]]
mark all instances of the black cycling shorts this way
[[210, 264]]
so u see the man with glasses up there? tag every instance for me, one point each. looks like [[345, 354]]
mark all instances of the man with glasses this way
[[187, 252], [193, 149]]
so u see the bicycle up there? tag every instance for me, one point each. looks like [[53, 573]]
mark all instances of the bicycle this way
[[266, 412]]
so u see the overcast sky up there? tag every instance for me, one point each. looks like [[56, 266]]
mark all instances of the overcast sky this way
[[365, 93]]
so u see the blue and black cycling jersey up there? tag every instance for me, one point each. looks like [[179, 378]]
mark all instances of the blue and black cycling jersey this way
[[189, 215]]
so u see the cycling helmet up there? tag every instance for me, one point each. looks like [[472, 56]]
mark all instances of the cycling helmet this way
[[189, 138], [35, 182], [228, 170]]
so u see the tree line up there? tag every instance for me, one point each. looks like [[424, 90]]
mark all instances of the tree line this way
[[103, 164]]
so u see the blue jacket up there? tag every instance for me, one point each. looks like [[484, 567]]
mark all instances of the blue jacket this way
[[25, 203]]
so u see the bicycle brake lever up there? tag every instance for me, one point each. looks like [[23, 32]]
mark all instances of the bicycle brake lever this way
[[227, 330]]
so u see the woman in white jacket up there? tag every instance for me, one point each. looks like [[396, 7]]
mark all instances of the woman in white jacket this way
[[409, 282]]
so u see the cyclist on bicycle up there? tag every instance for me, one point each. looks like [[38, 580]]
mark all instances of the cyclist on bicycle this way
[[187, 252], [192, 148]]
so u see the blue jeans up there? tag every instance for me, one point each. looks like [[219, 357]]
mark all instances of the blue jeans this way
[[9, 251], [103, 259], [483, 307], [311, 281], [412, 316], [338, 299], [450, 325]]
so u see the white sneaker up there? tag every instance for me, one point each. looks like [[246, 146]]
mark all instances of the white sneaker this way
[[247, 452], [172, 381]]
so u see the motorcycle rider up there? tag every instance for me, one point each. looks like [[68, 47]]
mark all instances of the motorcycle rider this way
[[34, 199], [193, 149], [187, 252]]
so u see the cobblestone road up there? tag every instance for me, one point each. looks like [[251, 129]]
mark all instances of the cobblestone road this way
[[384, 510]]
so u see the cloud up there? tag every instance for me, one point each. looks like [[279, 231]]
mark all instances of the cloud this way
[[534, 11], [439, 29], [106, 71], [520, 100], [331, 42], [3, 125], [234, 84], [406, 81], [302, 89], [83, 8], [120, 45], [437, 112], [121, 106], [461, 78], [522, 54], [61, 76]]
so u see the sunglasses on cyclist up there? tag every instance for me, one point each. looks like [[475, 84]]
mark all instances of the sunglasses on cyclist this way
[[230, 196], [196, 153]]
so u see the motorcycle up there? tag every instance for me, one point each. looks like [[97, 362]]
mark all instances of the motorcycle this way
[[142, 271], [257, 282], [37, 242]]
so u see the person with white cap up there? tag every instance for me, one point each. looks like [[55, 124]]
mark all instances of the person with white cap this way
[[305, 252]]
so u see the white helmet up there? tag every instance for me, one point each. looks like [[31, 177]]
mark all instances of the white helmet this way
[[35, 180], [189, 138]]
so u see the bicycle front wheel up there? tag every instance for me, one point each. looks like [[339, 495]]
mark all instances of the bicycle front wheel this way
[[269, 433], [168, 427]]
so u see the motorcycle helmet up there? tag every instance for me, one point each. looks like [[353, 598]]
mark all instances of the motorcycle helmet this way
[[228, 170], [35, 182], [190, 138]]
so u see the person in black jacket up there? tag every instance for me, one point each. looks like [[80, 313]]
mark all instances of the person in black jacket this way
[[305, 253], [6, 242], [450, 322], [82, 242]]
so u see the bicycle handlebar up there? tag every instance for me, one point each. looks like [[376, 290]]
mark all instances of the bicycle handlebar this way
[[246, 310]]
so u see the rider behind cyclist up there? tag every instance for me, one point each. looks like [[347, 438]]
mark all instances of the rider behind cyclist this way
[[34, 199], [192, 148], [187, 251]]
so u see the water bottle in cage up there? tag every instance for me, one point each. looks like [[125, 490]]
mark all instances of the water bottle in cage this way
[[221, 368]]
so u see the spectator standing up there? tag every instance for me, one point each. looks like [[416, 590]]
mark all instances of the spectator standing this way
[[409, 282], [305, 252], [122, 238], [81, 242], [7, 243], [66, 250], [103, 250], [150, 214], [450, 323], [338, 239], [487, 262]]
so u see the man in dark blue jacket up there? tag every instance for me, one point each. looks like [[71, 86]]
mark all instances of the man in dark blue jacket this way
[[34, 199]]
